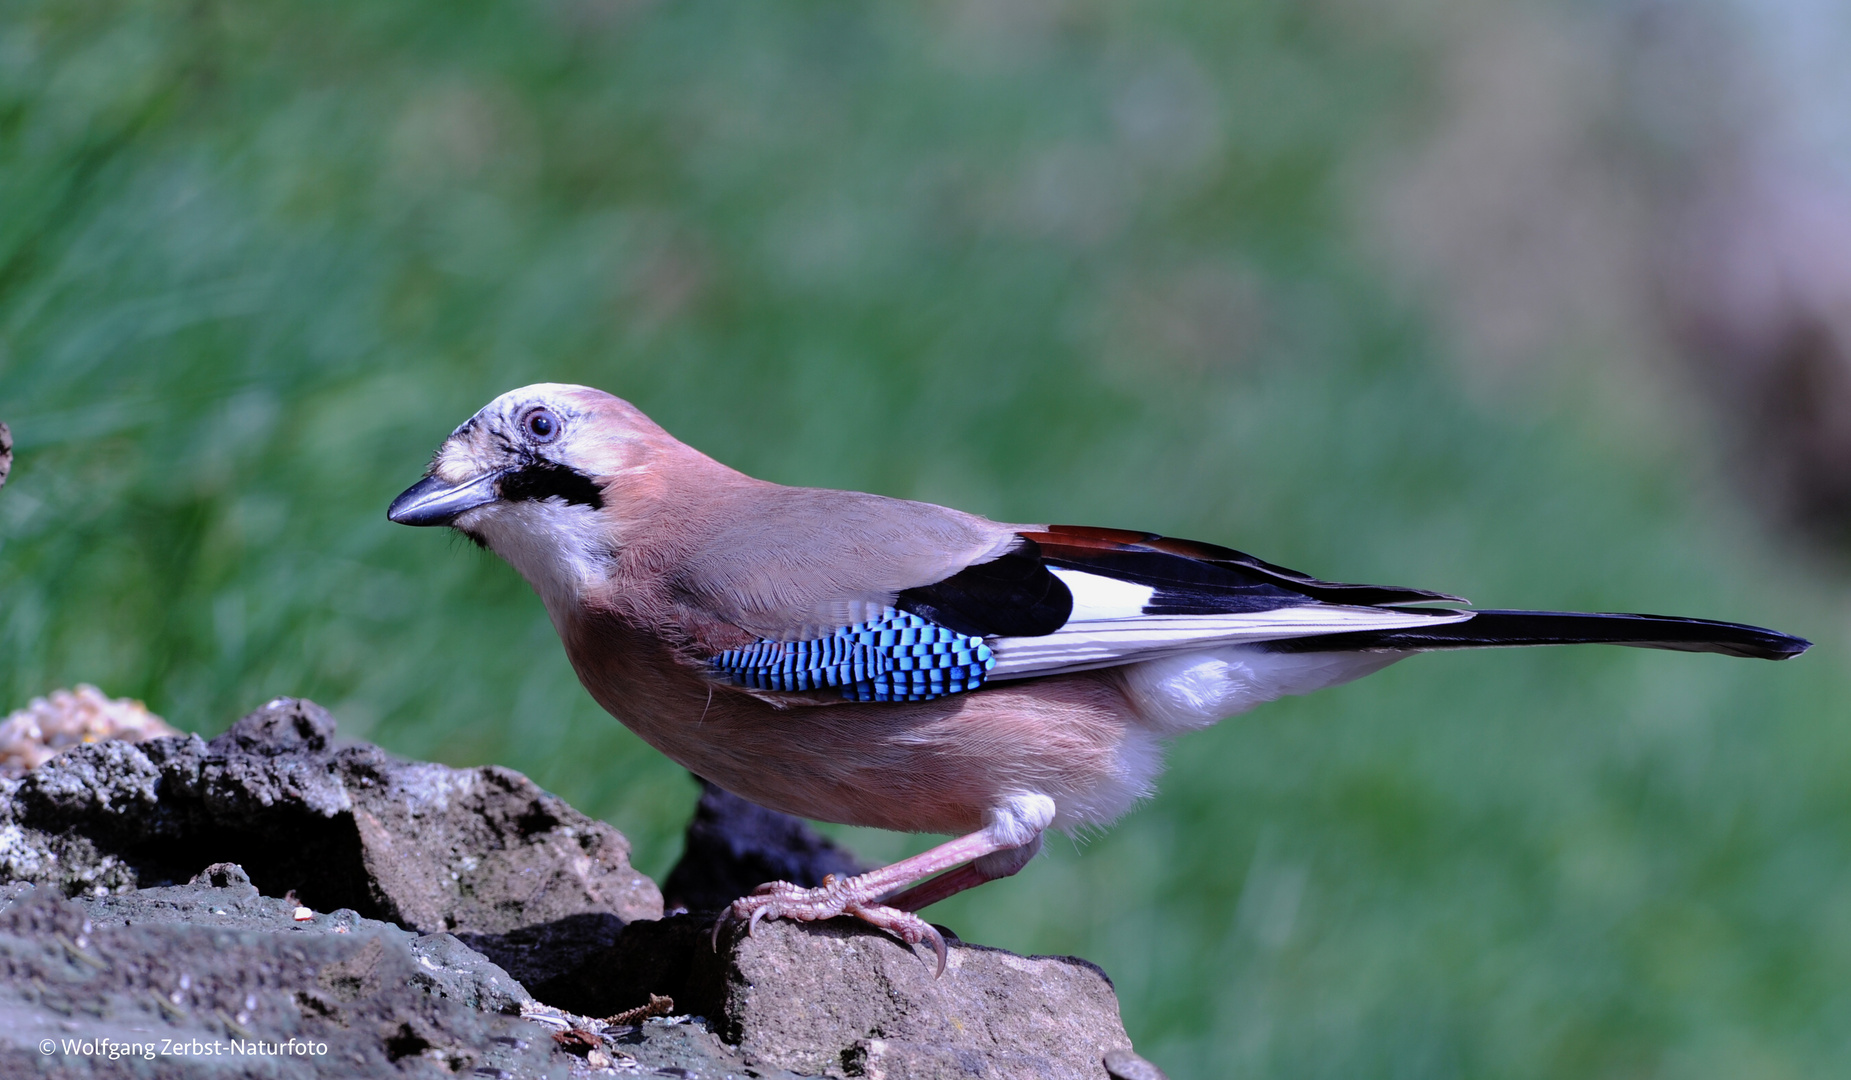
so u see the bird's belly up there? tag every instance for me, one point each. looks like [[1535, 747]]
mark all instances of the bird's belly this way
[[928, 766]]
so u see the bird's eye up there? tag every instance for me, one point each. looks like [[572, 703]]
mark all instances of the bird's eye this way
[[541, 425]]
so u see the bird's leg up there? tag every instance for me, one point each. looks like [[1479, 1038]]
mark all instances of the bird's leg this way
[[857, 895], [997, 864], [1012, 833]]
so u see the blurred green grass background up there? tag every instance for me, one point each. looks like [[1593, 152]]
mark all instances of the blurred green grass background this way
[[1082, 262]]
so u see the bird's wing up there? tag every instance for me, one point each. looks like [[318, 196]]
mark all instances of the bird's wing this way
[[1138, 596], [1052, 600], [1064, 598]]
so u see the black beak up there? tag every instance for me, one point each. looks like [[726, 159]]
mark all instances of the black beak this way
[[430, 501]]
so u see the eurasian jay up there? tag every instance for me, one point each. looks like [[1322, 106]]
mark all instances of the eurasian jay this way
[[874, 661]]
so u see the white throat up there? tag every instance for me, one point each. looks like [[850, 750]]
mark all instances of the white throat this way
[[557, 546]]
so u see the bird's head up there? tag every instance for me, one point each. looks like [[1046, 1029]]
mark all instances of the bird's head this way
[[535, 476]]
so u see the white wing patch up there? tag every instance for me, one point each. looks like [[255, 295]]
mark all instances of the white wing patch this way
[[1096, 597], [1084, 644]]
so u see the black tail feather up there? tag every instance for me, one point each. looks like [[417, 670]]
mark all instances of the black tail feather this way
[[1492, 629]]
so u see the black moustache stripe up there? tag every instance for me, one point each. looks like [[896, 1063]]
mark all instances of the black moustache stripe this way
[[546, 480]]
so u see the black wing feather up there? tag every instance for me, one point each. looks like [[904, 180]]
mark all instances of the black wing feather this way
[[1012, 595], [1193, 578], [1016, 595]]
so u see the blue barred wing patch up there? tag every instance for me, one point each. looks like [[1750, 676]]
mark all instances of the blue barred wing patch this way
[[897, 657]]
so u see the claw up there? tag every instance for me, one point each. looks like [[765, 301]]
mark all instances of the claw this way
[[752, 924], [939, 947]]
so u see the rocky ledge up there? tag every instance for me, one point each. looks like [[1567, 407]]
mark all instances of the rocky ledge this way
[[273, 904]]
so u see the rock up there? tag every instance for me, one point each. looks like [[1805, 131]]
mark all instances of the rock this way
[[1126, 1065], [192, 975], [196, 975], [665, 957], [284, 726], [692, 1051], [483, 853], [733, 846], [417, 918], [52, 724], [843, 999], [841, 996]]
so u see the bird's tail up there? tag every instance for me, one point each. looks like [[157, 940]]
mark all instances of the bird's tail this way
[[1494, 629]]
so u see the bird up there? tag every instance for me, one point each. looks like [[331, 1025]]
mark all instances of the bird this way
[[876, 661]]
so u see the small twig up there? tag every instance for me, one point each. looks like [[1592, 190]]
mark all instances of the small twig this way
[[80, 955], [233, 1026], [174, 1012], [658, 1006], [577, 1040]]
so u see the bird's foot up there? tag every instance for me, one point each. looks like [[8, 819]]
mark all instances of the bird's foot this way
[[836, 896]]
